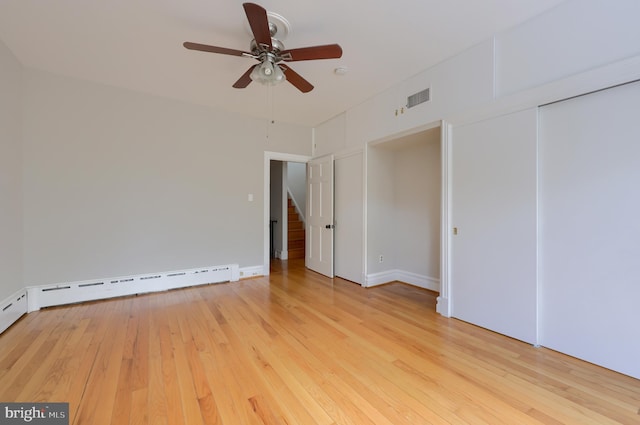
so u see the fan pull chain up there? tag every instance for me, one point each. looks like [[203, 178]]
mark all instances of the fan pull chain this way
[[270, 106]]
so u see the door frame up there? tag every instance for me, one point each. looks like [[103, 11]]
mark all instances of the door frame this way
[[443, 304], [268, 157]]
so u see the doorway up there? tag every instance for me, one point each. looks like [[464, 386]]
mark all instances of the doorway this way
[[404, 204], [267, 177], [287, 209]]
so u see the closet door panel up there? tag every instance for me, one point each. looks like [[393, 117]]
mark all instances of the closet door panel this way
[[493, 275], [590, 227]]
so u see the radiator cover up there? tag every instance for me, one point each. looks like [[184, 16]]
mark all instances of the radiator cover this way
[[96, 289]]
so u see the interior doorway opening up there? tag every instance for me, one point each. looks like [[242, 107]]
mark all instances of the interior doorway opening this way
[[275, 182], [287, 210], [404, 209]]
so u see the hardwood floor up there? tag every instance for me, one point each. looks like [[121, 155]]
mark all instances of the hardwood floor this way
[[296, 348]]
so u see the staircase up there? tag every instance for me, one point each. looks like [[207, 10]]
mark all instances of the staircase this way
[[295, 235]]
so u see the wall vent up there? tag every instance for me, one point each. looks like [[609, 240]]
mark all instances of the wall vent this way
[[82, 285], [418, 98], [57, 288]]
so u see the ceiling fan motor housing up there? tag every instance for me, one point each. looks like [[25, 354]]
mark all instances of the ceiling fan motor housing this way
[[277, 46]]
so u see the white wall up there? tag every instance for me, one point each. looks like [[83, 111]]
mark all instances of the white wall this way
[[461, 82], [330, 136], [417, 206], [380, 210], [575, 36], [11, 278], [119, 183], [576, 47]]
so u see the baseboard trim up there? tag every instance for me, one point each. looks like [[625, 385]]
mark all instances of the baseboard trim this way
[[421, 281], [410, 278], [282, 254], [12, 308], [97, 289], [443, 306], [252, 271], [380, 278]]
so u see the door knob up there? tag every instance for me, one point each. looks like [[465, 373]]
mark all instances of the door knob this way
[[329, 226]]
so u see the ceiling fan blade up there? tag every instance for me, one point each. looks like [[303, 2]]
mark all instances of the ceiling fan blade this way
[[214, 49], [294, 78], [259, 23], [245, 79], [327, 51]]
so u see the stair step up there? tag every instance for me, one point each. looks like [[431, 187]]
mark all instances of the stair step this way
[[296, 244], [295, 225], [296, 253], [295, 235]]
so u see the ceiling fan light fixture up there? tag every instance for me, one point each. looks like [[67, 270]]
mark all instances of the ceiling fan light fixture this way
[[267, 73]]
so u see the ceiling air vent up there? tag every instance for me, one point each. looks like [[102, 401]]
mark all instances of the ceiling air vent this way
[[418, 98]]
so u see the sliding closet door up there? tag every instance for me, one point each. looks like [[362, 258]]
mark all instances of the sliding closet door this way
[[493, 256], [590, 227]]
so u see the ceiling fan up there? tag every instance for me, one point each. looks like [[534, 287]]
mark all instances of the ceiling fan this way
[[270, 51]]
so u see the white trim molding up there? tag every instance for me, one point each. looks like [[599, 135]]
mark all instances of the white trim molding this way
[[281, 254], [380, 278], [268, 157], [426, 282], [443, 303], [403, 276], [252, 271]]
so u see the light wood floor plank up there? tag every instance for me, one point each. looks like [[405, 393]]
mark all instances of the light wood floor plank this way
[[170, 376], [296, 348], [156, 406]]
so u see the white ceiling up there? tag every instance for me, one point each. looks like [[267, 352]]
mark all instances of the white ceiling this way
[[137, 44]]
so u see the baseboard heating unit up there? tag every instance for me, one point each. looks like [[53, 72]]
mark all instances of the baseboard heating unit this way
[[12, 308], [89, 290]]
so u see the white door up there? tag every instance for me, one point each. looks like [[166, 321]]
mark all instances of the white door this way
[[493, 272], [319, 233], [589, 227]]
